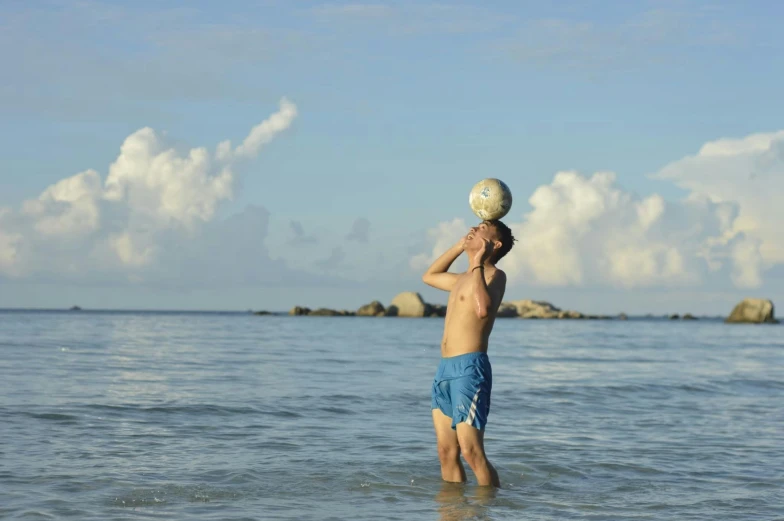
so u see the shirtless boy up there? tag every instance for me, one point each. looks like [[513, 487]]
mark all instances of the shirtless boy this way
[[460, 399]]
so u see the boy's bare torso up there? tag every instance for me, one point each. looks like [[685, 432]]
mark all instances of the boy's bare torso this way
[[464, 332]]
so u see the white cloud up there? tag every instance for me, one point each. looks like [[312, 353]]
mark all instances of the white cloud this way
[[9, 243], [158, 184], [443, 237], [747, 171], [267, 129], [587, 230], [80, 225], [67, 207]]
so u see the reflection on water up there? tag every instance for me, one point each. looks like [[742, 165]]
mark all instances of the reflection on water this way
[[458, 502]]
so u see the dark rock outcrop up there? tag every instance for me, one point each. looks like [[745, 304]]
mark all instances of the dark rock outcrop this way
[[534, 309], [326, 312], [374, 309], [437, 310], [507, 310]]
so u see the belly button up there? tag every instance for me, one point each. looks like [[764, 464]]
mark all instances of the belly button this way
[[462, 297]]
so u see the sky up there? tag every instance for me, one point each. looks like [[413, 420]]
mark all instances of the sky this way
[[265, 154]]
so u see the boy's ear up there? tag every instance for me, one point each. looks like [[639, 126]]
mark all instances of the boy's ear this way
[[497, 245]]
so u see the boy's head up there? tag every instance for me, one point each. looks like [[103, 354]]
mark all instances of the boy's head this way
[[494, 231], [505, 237]]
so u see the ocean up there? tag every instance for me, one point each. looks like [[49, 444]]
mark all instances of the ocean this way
[[231, 416]]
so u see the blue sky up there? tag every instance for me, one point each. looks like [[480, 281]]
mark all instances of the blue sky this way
[[400, 108]]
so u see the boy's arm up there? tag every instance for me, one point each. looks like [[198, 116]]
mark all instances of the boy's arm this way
[[437, 276], [487, 296]]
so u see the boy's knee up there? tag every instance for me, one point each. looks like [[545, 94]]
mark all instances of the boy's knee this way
[[473, 454], [448, 453]]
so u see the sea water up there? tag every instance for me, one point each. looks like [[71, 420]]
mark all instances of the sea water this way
[[230, 416]]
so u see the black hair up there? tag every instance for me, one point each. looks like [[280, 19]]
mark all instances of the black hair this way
[[506, 238]]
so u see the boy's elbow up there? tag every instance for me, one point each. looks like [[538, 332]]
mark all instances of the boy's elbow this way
[[481, 312]]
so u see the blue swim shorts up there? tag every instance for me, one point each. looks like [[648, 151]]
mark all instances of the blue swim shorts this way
[[461, 389]]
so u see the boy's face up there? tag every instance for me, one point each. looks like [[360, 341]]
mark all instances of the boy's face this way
[[481, 232]]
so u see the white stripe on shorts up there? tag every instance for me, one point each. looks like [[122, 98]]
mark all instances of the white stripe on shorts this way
[[472, 413]]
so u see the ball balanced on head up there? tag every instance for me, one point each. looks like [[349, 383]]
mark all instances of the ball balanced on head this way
[[490, 199]]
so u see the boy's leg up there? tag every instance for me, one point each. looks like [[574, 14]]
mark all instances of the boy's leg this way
[[448, 448], [471, 441]]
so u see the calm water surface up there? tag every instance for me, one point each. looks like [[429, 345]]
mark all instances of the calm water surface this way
[[109, 416]]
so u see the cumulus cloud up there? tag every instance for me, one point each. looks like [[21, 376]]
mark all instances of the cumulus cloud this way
[[152, 192], [9, 243], [442, 237], [334, 261], [227, 252], [749, 172], [585, 230], [360, 231], [589, 231], [299, 237]]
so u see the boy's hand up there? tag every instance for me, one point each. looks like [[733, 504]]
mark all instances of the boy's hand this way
[[484, 253]]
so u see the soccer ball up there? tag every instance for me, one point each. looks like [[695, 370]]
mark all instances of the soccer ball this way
[[490, 199]]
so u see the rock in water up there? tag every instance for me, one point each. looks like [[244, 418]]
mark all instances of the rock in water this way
[[325, 312], [573, 314], [752, 311], [533, 309], [408, 304], [374, 309], [437, 310], [507, 310], [299, 311]]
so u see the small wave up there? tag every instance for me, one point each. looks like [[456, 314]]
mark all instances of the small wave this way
[[628, 467], [277, 445], [196, 409], [161, 495], [338, 410], [68, 419], [337, 398], [754, 383], [36, 514]]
